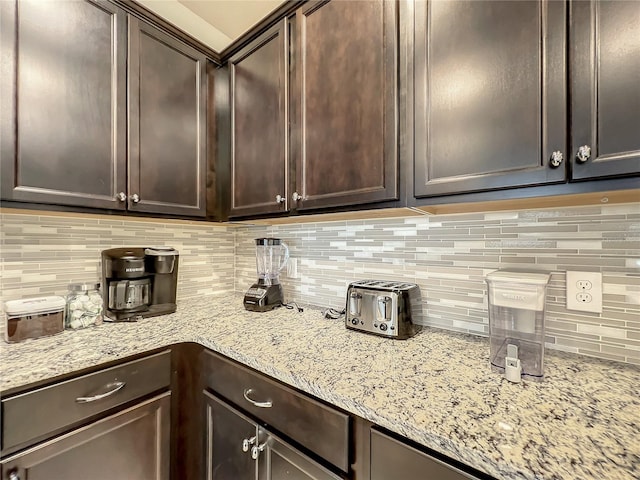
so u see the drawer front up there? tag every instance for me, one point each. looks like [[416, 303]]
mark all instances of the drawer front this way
[[393, 459], [319, 428], [33, 415]]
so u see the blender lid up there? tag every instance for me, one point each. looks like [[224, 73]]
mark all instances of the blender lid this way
[[268, 241], [160, 251]]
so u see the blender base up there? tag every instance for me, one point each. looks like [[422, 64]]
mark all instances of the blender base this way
[[262, 298]]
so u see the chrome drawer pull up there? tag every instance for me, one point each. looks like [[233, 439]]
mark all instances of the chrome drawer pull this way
[[110, 388], [267, 404]]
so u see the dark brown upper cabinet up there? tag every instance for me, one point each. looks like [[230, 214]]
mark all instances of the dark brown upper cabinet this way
[[66, 68], [63, 115], [605, 83], [167, 123], [259, 133], [344, 115], [490, 95]]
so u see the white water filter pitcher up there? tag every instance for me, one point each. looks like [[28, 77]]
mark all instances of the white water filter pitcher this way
[[516, 323]]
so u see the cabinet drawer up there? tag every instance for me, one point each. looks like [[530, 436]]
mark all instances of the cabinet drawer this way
[[319, 428], [33, 415], [391, 458]]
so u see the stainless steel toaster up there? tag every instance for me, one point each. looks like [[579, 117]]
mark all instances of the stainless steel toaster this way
[[384, 308]]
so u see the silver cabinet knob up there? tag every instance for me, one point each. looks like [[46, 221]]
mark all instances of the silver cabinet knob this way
[[296, 196], [135, 198], [556, 159], [121, 196], [584, 154], [14, 475], [279, 199], [255, 451], [246, 442]]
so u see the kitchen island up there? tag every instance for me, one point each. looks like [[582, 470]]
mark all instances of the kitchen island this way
[[582, 421]]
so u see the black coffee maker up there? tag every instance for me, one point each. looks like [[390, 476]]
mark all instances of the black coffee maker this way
[[139, 282]]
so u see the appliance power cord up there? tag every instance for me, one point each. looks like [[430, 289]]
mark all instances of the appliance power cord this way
[[333, 314]]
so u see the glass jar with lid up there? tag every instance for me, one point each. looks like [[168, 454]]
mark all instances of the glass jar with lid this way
[[84, 305]]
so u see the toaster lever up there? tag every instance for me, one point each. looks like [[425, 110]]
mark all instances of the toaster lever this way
[[355, 301], [384, 307]]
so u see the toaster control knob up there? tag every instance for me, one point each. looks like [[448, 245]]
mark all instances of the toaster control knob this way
[[354, 321], [383, 327]]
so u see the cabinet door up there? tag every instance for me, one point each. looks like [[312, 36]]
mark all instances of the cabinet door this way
[[131, 444], [227, 430], [391, 459], [259, 125], [280, 461], [167, 124], [63, 116], [605, 82], [344, 103], [490, 95]]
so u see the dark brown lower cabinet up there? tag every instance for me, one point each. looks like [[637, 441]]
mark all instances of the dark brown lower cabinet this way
[[392, 459], [239, 449], [131, 444]]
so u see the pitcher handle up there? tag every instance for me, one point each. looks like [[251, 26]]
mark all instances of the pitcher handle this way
[[286, 255]]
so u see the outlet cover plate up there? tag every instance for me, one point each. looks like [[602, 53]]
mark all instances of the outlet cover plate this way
[[579, 283]]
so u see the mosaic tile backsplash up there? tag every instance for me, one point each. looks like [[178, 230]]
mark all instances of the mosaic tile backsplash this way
[[42, 254], [448, 256]]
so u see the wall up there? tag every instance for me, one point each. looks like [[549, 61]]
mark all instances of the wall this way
[[40, 254], [449, 256]]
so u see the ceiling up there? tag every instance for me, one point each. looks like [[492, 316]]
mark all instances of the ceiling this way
[[216, 23]]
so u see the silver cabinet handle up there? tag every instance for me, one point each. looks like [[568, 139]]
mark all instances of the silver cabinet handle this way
[[246, 442], [279, 199], [249, 391], [135, 198], [256, 450], [106, 391], [296, 196], [121, 196], [584, 154], [556, 159]]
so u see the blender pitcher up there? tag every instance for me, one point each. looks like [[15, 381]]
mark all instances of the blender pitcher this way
[[272, 255]]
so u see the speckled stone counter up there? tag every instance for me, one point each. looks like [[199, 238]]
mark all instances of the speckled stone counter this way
[[582, 422]]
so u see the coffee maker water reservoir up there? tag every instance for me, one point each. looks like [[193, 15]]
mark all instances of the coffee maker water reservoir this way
[[516, 323]]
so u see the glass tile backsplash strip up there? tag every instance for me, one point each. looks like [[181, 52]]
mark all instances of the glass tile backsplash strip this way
[[42, 254], [449, 256]]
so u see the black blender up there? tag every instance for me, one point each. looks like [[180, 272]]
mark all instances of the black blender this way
[[272, 255]]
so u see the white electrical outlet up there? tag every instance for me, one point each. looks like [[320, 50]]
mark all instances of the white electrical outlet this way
[[292, 268], [584, 291]]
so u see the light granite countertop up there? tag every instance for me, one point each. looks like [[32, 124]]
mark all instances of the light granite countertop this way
[[582, 422]]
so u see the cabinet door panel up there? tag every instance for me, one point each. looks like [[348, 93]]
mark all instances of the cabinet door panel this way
[[345, 99], [226, 430], [63, 115], [130, 444], [167, 121], [391, 459], [280, 461], [606, 87], [259, 156], [490, 95]]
